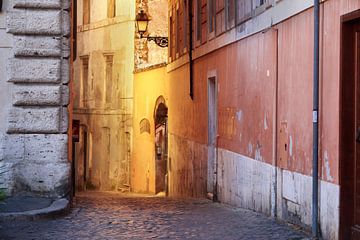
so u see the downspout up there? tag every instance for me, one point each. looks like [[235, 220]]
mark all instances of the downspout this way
[[315, 200], [191, 62]]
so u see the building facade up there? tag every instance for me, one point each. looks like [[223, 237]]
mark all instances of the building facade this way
[[240, 112], [150, 148], [103, 93], [34, 79]]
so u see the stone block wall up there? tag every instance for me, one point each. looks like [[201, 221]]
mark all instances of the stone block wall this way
[[33, 150]]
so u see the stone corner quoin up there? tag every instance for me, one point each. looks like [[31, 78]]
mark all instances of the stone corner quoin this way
[[38, 72]]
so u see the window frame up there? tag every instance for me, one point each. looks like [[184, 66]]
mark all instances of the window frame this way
[[86, 12], [109, 59], [84, 83], [230, 23], [198, 22], [111, 8], [211, 18]]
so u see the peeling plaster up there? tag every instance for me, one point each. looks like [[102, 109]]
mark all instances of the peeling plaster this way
[[250, 149], [290, 146], [268, 73], [265, 123], [327, 167], [258, 152], [239, 115]]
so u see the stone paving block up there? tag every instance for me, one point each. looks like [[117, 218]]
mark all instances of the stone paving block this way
[[37, 22], [34, 120], [112, 215], [37, 46], [56, 4], [33, 70], [24, 95], [45, 148]]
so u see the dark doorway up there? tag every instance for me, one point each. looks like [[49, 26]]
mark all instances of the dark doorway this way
[[161, 146], [212, 138], [350, 128]]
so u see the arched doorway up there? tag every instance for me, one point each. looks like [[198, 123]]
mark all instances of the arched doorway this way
[[161, 145]]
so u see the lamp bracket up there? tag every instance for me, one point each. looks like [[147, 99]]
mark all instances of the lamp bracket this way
[[160, 41]]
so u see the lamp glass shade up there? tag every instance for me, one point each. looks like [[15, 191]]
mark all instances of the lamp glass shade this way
[[142, 26], [142, 21]]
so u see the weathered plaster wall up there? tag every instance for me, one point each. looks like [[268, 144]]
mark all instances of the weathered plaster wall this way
[[147, 53], [187, 135], [149, 86], [150, 83], [265, 115], [104, 103], [34, 98]]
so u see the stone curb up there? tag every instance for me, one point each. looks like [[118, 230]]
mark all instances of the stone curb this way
[[57, 208]]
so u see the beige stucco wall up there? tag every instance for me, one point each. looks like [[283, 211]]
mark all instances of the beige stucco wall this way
[[108, 124]]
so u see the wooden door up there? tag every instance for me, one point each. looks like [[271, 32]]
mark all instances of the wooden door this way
[[350, 129], [212, 137], [355, 228]]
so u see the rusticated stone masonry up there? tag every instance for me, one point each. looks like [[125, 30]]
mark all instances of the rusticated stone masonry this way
[[36, 140]]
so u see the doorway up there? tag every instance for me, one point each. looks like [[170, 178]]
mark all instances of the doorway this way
[[212, 139], [161, 146], [350, 128]]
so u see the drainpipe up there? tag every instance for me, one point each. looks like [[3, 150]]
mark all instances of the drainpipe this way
[[315, 201], [191, 62]]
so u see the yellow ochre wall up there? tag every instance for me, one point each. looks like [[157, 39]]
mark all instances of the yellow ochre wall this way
[[148, 87]]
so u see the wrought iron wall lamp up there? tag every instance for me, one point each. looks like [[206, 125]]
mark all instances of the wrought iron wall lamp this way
[[142, 22]]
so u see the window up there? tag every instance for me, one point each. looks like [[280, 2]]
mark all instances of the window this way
[[172, 37], [86, 12], [198, 20], [211, 15], [84, 78], [243, 10], [178, 30], [111, 7], [185, 24], [258, 3], [108, 77], [230, 13]]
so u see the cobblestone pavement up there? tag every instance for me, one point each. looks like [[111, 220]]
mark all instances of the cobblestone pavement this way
[[104, 215]]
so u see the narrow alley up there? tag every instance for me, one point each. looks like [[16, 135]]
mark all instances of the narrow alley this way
[[108, 215]]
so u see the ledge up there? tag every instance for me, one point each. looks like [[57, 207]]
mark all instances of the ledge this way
[[57, 208]]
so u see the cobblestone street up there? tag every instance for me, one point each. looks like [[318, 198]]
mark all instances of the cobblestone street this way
[[99, 215]]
